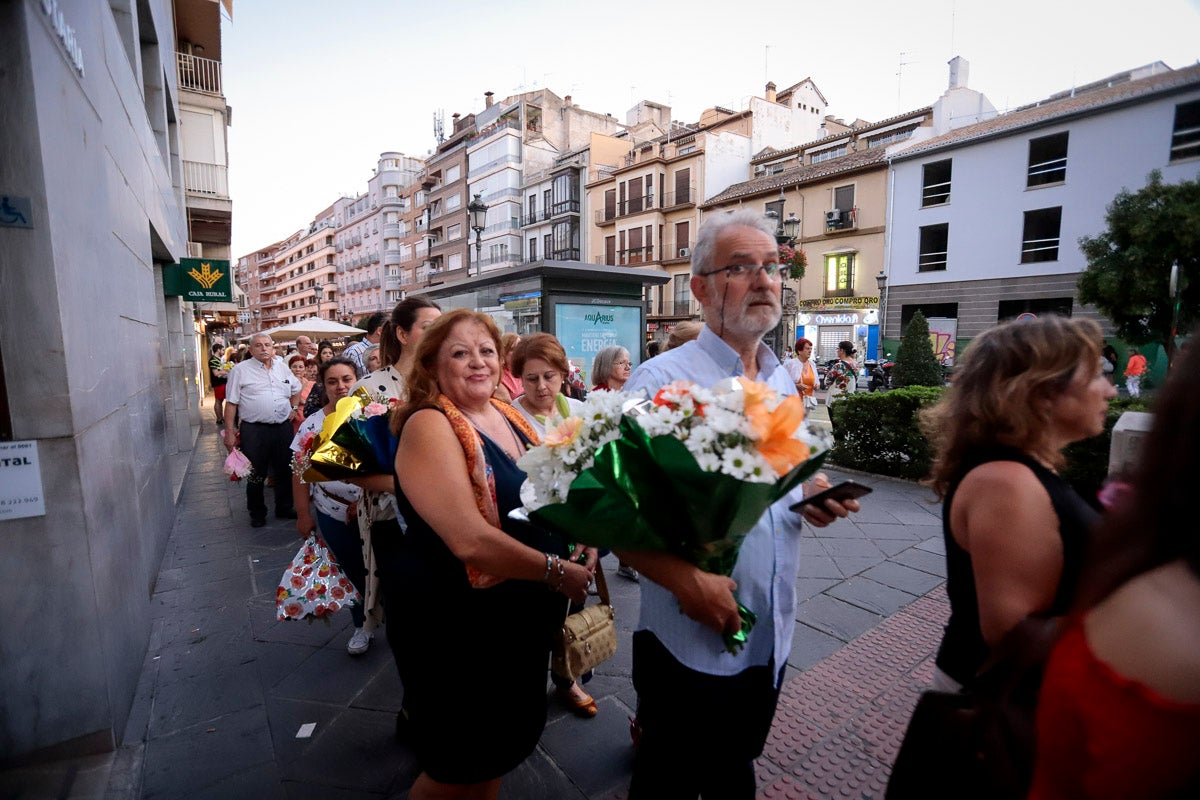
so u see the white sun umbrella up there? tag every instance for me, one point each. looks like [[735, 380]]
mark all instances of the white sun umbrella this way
[[315, 327]]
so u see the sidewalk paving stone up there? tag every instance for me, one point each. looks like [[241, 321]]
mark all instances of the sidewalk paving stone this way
[[836, 617]]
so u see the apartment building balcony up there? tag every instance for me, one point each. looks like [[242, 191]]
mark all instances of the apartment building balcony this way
[[569, 254], [499, 125], [401, 203], [635, 205], [606, 216], [509, 160], [676, 251], [841, 220], [391, 258], [563, 208], [392, 283], [671, 307], [339, 247], [198, 74], [206, 180], [635, 256], [391, 230], [686, 197]]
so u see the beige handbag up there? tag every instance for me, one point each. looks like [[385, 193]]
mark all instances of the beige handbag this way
[[588, 637]]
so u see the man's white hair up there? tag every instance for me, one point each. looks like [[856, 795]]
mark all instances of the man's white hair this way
[[705, 248]]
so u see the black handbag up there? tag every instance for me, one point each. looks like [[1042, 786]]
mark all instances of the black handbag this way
[[979, 743]]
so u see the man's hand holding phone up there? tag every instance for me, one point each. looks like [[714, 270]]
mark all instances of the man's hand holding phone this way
[[824, 503]]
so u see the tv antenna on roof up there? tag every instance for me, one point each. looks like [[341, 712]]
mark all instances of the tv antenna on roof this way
[[900, 78], [439, 125]]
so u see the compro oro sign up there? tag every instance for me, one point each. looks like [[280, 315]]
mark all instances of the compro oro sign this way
[[201, 280]]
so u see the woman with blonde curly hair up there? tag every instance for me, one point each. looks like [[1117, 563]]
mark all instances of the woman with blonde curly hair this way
[[1014, 529]]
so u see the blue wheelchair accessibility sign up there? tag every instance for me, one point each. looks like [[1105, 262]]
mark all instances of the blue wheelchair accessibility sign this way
[[16, 212]]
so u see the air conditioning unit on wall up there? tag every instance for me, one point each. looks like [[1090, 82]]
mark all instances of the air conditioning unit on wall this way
[[685, 252]]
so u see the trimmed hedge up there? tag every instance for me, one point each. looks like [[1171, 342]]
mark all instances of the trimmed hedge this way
[[878, 432]]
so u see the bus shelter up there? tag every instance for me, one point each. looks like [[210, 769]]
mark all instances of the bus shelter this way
[[587, 306]]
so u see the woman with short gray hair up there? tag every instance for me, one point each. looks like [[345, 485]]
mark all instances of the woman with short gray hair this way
[[611, 368]]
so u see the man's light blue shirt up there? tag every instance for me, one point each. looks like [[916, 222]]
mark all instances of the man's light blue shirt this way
[[770, 555]]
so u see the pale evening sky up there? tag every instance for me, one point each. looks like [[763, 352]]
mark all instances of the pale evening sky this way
[[320, 89]]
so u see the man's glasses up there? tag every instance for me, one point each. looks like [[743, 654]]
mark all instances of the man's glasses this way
[[749, 271]]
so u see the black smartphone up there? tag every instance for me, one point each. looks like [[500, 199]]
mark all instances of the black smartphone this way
[[847, 490]]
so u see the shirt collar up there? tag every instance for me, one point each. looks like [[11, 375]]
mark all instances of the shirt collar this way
[[728, 359]]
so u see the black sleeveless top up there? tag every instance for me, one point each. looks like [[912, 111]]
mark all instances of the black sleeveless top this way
[[963, 649]]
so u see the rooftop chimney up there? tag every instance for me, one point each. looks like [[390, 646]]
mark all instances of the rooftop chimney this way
[[960, 68], [487, 99], [567, 101], [770, 91]]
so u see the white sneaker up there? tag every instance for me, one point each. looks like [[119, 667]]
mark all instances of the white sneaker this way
[[359, 642]]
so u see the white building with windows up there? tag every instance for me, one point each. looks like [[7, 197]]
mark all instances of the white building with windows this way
[[368, 243], [984, 221]]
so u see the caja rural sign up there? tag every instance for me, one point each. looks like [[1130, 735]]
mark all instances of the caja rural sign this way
[[201, 280]]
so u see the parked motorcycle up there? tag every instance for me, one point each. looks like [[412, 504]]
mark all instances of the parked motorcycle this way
[[879, 373]]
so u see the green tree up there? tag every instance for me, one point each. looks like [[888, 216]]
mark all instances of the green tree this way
[[915, 362], [1129, 264]]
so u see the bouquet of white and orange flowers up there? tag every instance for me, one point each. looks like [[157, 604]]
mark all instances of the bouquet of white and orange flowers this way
[[689, 471]]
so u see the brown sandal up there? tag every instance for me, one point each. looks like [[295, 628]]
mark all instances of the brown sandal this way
[[583, 707]]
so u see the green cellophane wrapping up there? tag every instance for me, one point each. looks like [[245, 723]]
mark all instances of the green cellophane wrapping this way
[[648, 493]]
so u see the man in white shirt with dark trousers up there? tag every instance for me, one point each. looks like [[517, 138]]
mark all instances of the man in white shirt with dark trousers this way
[[265, 394], [704, 714]]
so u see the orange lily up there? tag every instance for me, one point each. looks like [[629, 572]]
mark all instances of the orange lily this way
[[775, 430]]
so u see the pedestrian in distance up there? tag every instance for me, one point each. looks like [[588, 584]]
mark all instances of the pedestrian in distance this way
[[219, 376], [264, 394], [1135, 368], [803, 373], [705, 714], [682, 333], [356, 351]]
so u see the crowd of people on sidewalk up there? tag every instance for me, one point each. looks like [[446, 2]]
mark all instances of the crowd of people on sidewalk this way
[[462, 588]]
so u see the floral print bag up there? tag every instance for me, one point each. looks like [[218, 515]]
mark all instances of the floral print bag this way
[[314, 586]]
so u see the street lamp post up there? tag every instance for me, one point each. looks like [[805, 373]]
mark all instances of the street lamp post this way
[[881, 282], [478, 210], [319, 291], [786, 232], [256, 313]]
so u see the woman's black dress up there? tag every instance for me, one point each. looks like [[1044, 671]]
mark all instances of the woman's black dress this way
[[473, 661]]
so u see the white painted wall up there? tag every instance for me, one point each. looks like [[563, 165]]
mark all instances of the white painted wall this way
[[726, 161], [1106, 153]]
